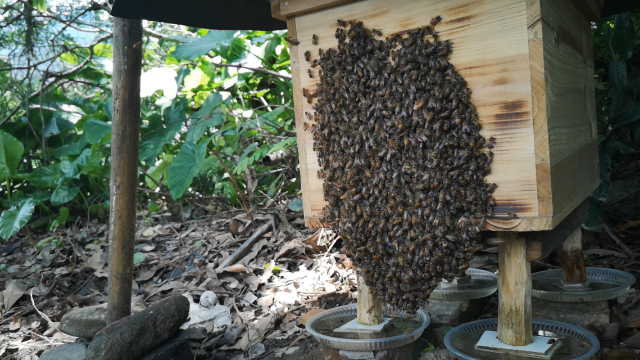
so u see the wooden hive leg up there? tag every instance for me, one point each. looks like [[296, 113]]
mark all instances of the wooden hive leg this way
[[571, 258], [514, 286], [370, 309]]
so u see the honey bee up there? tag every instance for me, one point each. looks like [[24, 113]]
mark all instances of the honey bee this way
[[310, 73], [376, 32], [342, 23], [292, 41], [307, 55], [314, 39]]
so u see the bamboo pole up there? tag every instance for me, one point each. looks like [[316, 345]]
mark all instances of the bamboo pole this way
[[572, 260], [127, 66], [514, 287]]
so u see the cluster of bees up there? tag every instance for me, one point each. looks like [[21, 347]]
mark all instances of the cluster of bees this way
[[402, 159]]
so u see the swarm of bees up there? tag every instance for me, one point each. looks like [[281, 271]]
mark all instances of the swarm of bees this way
[[402, 159]]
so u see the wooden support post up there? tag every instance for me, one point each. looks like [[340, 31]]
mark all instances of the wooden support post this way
[[571, 258], [514, 286], [370, 309], [127, 66]]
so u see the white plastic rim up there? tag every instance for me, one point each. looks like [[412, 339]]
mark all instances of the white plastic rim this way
[[563, 329], [362, 344], [459, 295], [622, 280]]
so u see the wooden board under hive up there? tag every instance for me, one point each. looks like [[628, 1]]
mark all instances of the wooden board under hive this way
[[529, 64]]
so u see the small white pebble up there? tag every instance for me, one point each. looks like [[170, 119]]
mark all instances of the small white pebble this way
[[208, 298]]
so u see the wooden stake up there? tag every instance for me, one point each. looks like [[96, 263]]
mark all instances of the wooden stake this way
[[370, 310], [514, 286], [571, 258], [127, 65]]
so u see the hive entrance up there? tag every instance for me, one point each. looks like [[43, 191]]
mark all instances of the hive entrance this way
[[402, 158]]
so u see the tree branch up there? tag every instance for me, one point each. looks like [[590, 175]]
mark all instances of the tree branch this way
[[264, 71]]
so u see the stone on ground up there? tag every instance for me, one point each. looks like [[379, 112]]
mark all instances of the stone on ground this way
[[87, 321], [441, 354], [579, 314], [134, 336], [74, 351], [444, 312]]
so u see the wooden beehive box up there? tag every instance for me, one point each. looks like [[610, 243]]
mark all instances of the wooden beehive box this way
[[529, 64]]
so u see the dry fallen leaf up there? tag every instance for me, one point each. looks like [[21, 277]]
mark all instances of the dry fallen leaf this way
[[304, 318], [237, 268], [13, 291], [16, 323]]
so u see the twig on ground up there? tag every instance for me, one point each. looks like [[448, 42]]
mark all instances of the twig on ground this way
[[617, 240]]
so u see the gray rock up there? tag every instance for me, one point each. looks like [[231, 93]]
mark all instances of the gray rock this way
[[444, 312], [232, 335], [134, 336], [357, 355], [74, 351], [87, 321], [84, 322], [442, 354], [292, 350], [579, 314], [257, 349]]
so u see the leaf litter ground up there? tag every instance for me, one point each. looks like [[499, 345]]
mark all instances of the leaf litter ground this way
[[287, 276]]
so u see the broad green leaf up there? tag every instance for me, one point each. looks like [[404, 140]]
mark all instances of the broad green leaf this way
[[618, 73], [296, 205], [64, 193], [69, 58], [157, 171], [282, 144], [79, 164], [201, 46], [194, 79], [138, 258], [63, 124], [40, 4], [185, 167], [93, 163], [210, 103], [630, 115], [96, 130], [104, 50], [74, 148], [623, 36], [619, 146], [14, 219], [11, 151], [151, 145], [203, 119], [182, 74], [47, 177], [51, 128]]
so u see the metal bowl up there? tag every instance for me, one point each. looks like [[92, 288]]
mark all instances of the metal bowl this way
[[351, 311]]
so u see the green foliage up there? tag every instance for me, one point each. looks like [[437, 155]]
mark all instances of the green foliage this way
[[12, 220], [55, 148], [617, 70]]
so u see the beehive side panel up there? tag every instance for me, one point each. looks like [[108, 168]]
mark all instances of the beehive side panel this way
[[301, 135], [539, 104], [490, 51], [570, 97]]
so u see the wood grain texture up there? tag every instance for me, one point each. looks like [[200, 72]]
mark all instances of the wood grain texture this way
[[370, 309], [530, 68], [572, 259], [570, 99], [514, 289], [491, 54], [289, 8]]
